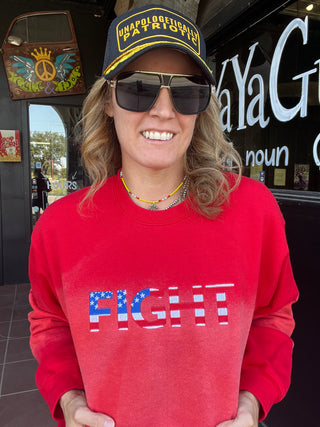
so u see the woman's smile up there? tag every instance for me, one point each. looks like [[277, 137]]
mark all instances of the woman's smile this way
[[157, 135]]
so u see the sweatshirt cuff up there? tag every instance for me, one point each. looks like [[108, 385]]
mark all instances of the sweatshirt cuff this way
[[58, 384], [262, 388]]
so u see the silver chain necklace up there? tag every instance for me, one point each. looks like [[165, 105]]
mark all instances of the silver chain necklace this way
[[182, 195]]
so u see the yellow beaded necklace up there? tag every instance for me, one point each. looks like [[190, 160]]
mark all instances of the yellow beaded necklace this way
[[152, 202]]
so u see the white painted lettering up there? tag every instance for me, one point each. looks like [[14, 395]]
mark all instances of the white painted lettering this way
[[304, 91], [317, 62], [225, 111], [258, 99], [271, 161], [224, 65], [279, 152], [315, 151], [256, 86], [241, 81], [248, 155], [261, 157], [282, 113]]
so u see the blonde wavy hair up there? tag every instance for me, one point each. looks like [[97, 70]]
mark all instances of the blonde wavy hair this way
[[208, 157]]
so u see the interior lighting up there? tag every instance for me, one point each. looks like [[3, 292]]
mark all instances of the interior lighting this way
[[309, 7]]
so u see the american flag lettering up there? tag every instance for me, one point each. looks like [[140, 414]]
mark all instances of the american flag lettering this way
[[122, 310], [197, 305], [95, 311], [136, 309]]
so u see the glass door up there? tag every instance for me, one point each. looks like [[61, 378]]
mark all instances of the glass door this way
[[56, 168]]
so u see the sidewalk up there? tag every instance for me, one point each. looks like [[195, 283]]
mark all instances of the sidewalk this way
[[21, 405]]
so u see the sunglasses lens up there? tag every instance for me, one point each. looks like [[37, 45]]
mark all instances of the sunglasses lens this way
[[137, 91], [190, 95]]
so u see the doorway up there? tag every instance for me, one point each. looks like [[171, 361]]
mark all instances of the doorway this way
[[56, 168]]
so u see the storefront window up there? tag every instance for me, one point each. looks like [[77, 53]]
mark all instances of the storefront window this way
[[268, 84], [56, 168]]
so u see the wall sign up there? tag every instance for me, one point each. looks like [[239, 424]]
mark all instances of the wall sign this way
[[257, 84]]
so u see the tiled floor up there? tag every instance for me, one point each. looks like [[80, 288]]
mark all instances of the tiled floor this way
[[21, 405]]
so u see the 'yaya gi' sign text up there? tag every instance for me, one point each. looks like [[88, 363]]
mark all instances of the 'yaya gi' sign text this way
[[280, 112]]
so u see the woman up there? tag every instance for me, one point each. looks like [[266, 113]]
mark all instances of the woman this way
[[164, 298]]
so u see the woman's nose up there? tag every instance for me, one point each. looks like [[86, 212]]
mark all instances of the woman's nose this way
[[163, 107]]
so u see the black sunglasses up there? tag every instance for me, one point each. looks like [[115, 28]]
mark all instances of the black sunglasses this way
[[138, 91]]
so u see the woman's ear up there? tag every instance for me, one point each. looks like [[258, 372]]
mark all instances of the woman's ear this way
[[109, 109]]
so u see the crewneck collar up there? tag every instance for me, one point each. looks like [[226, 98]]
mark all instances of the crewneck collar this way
[[146, 216]]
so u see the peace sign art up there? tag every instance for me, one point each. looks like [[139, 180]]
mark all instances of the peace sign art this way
[[47, 67]]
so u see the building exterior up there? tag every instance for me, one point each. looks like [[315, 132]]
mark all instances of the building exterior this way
[[266, 58], [267, 63], [20, 155]]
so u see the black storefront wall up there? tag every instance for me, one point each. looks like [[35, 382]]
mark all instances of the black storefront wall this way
[[273, 120], [15, 207], [15, 188], [299, 408]]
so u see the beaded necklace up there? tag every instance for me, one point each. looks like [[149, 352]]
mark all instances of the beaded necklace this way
[[153, 205]]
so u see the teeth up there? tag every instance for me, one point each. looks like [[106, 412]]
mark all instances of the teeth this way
[[162, 136]]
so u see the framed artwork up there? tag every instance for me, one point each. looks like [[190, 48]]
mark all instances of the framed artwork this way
[[10, 150]]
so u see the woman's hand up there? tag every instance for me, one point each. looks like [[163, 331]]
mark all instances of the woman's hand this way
[[77, 414], [248, 412]]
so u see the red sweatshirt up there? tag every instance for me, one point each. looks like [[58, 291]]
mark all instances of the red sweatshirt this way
[[162, 316]]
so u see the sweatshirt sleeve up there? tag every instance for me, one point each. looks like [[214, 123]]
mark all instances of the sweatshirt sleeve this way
[[51, 341], [267, 363]]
